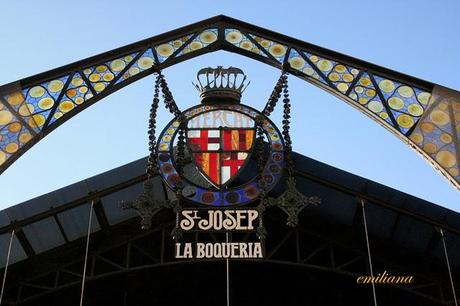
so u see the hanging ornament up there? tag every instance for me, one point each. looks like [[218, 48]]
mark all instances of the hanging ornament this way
[[221, 153]]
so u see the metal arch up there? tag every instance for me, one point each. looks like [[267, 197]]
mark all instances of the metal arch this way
[[219, 24]]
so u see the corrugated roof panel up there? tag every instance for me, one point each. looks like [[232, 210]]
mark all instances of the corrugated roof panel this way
[[380, 221], [75, 222], [334, 204], [111, 204], [118, 175], [17, 252], [44, 235], [413, 234]]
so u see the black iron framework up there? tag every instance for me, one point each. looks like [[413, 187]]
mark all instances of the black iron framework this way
[[130, 250], [123, 248], [72, 88]]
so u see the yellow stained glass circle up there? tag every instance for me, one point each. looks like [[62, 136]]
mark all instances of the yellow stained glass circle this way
[[405, 121], [171, 131], [166, 138], [456, 106], [365, 81], [457, 116], [446, 159], [334, 77], [383, 115], [324, 65], [234, 37], [308, 71], [66, 106], [77, 81], [363, 100], [417, 138], [176, 124], [134, 70], [25, 137], [370, 93], [83, 89], [5, 117], [277, 50], [453, 172], [343, 87], [405, 91], [446, 138], [439, 117], [15, 98], [424, 97], [195, 45], [396, 103], [314, 58], [415, 110], [353, 96], [117, 65], [426, 127], [26, 110], [145, 62], [14, 127], [11, 147], [101, 68], [55, 86], [340, 68], [359, 89], [274, 137], [36, 92], [387, 86], [2, 157], [164, 147], [247, 45], [79, 100], [99, 87], [297, 62], [58, 115], [94, 77], [375, 106], [37, 120], [430, 148], [46, 103], [87, 71], [443, 105], [177, 43], [354, 71], [71, 93], [265, 43], [108, 77], [208, 37], [348, 77], [165, 50]]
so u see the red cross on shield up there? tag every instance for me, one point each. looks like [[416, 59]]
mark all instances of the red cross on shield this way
[[219, 153]]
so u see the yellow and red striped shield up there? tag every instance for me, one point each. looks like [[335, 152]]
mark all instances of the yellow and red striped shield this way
[[219, 153]]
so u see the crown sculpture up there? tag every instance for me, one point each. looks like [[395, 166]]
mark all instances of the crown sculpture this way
[[220, 85]]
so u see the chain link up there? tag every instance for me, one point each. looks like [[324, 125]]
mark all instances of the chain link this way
[[167, 97], [152, 166], [275, 95]]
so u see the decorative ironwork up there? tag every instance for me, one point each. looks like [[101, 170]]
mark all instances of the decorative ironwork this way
[[33, 107], [147, 206], [221, 84]]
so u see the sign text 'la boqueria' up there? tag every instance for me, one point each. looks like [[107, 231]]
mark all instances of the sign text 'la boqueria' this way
[[218, 220]]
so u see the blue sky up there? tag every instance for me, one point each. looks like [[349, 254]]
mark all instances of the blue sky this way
[[419, 38]]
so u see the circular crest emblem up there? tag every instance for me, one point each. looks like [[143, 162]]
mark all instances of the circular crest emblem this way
[[220, 140]]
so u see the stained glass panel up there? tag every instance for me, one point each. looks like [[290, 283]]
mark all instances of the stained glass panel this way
[[238, 39]]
